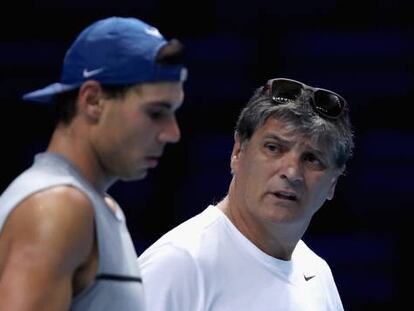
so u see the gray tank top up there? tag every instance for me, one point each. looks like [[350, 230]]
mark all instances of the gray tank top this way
[[118, 284]]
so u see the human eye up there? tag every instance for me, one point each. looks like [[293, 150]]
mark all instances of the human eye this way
[[157, 113], [273, 147], [315, 161]]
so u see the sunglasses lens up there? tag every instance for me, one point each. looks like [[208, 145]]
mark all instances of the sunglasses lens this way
[[285, 90], [328, 104]]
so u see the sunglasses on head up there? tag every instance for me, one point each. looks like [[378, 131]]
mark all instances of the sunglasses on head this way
[[325, 103]]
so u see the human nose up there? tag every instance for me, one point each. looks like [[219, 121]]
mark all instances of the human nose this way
[[291, 168], [171, 132]]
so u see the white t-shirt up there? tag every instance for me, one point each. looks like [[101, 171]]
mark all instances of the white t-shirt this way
[[206, 264]]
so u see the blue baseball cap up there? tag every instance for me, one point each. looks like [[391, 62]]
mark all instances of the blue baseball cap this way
[[116, 51]]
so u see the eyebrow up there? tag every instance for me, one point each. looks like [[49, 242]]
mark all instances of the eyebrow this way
[[278, 139], [289, 143], [161, 104]]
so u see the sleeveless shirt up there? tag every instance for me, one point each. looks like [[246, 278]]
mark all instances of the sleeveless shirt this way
[[118, 284]]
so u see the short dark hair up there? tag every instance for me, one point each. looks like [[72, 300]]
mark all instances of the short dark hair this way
[[299, 115]]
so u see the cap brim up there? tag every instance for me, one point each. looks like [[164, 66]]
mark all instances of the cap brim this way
[[45, 95]]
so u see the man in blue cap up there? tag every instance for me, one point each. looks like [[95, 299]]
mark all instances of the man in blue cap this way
[[64, 244]]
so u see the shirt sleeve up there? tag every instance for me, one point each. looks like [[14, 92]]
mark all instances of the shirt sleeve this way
[[171, 279], [334, 299]]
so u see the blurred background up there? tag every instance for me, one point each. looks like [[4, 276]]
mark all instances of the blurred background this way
[[361, 49]]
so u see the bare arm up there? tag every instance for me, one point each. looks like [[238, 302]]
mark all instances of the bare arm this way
[[45, 239]]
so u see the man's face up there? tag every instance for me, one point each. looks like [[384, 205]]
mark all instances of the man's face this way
[[280, 177], [133, 130]]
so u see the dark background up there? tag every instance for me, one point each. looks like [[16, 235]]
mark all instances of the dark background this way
[[361, 49]]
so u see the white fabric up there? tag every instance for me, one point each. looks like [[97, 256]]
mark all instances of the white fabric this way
[[206, 264]]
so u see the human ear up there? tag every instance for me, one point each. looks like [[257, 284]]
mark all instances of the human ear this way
[[331, 191], [90, 99], [235, 153], [334, 181]]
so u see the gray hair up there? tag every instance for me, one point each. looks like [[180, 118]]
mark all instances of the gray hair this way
[[299, 116]]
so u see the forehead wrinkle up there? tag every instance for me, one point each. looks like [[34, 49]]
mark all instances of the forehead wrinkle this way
[[290, 137]]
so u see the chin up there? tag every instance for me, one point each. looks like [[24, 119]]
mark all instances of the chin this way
[[282, 215], [136, 176]]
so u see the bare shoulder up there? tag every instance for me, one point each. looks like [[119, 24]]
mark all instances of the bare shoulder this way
[[46, 239], [63, 205], [58, 219]]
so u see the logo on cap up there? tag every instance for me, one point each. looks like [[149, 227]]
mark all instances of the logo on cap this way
[[89, 73]]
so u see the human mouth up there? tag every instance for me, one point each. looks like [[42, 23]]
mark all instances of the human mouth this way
[[286, 195]]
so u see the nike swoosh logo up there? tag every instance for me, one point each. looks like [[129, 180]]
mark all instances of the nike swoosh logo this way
[[307, 278], [89, 73]]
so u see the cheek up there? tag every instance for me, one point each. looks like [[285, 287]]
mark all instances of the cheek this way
[[244, 168], [136, 138], [253, 176], [134, 127], [320, 189], [126, 139]]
